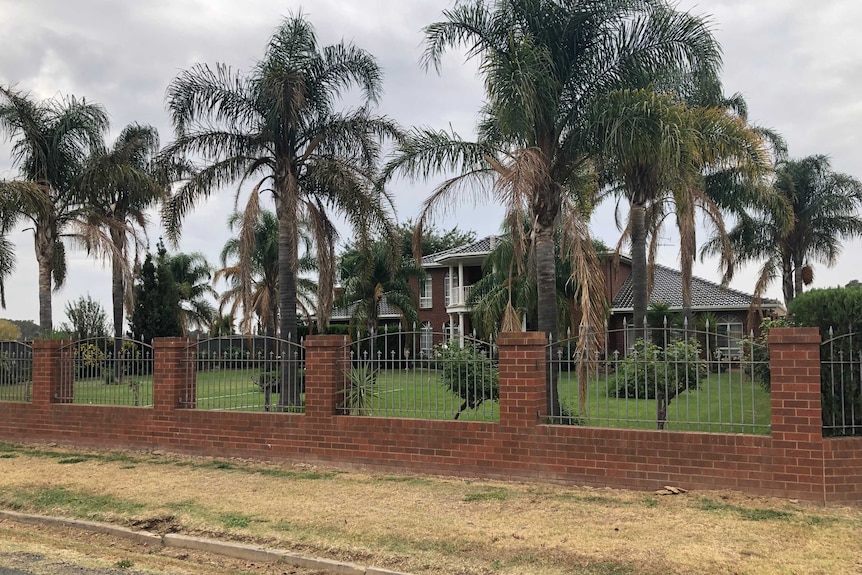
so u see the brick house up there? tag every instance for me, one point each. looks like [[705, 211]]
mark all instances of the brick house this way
[[443, 295]]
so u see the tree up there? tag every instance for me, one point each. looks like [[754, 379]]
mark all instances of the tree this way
[[192, 275], [252, 277], [87, 319], [432, 240], [157, 300], [52, 140], [825, 210], [122, 182], [9, 331], [544, 62], [657, 148], [369, 273], [277, 128]]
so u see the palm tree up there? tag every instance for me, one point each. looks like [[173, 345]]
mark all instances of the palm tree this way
[[372, 272], [825, 210], [658, 148], [255, 289], [123, 183], [544, 63], [192, 275], [52, 140], [277, 128]]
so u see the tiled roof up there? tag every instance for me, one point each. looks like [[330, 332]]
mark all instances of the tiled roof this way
[[482, 246], [667, 288], [386, 310]]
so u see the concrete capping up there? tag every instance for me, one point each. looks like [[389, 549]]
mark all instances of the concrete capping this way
[[228, 549]]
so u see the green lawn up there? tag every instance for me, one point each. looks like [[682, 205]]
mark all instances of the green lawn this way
[[725, 402]]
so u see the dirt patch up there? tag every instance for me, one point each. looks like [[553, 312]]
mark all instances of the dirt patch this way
[[438, 525]]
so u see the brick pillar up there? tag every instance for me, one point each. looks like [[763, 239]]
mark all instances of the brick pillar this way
[[52, 383], [326, 360], [174, 373], [794, 363], [797, 427], [523, 367]]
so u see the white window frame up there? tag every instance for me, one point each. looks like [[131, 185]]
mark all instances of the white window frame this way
[[426, 339], [730, 330], [426, 297]]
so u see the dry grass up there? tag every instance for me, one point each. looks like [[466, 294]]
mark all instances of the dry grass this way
[[438, 525]]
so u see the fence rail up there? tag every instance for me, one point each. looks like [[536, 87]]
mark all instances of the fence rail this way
[[107, 371], [246, 374], [841, 380], [16, 371], [676, 380], [397, 374]]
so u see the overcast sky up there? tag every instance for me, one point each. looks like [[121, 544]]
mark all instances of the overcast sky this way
[[798, 63]]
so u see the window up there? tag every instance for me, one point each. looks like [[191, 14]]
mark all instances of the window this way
[[425, 299], [450, 287], [426, 339], [728, 342]]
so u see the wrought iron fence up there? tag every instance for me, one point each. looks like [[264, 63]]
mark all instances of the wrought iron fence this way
[[16, 371], [107, 371], [675, 379], [245, 373], [841, 383], [421, 374]]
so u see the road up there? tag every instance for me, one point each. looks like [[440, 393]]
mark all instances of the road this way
[[50, 550]]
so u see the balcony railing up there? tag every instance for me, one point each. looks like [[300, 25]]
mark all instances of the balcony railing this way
[[459, 296]]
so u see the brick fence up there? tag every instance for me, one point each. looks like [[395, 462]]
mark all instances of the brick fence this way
[[794, 461]]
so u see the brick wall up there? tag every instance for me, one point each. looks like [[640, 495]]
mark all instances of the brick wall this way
[[794, 461]]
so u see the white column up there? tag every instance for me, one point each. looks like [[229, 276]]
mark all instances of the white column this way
[[461, 283], [461, 329]]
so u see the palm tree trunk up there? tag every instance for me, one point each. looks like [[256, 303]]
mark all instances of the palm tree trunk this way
[[287, 248], [787, 281], [118, 293], [798, 282], [546, 295], [640, 297], [45, 257]]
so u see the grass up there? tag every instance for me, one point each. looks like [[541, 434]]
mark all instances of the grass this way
[[430, 525], [727, 402]]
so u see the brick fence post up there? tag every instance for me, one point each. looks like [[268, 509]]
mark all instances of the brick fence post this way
[[174, 373], [326, 359], [523, 368], [797, 426], [48, 373]]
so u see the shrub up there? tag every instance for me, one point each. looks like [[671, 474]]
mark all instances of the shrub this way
[[363, 384], [832, 311], [755, 351], [469, 373], [89, 361], [653, 372]]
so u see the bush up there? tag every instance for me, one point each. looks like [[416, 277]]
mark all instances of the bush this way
[[833, 311], [89, 361], [13, 371], [469, 373], [653, 372], [363, 383], [755, 351]]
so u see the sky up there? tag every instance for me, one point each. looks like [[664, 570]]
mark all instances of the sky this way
[[798, 64]]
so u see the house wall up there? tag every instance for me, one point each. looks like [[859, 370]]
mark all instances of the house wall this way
[[794, 461]]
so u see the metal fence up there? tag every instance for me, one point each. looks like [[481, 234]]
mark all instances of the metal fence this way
[[675, 379], [16, 371], [107, 371], [246, 374], [421, 374], [841, 380]]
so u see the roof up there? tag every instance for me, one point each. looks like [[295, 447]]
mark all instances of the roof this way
[[386, 311], [667, 288], [478, 248]]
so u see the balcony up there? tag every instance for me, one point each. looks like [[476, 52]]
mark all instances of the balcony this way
[[458, 298]]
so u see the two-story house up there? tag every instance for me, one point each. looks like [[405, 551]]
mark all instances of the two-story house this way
[[443, 296]]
